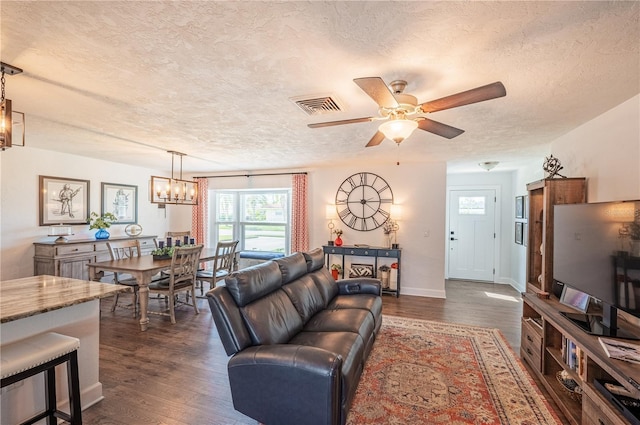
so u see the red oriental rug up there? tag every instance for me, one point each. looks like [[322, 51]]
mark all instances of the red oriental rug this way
[[423, 372]]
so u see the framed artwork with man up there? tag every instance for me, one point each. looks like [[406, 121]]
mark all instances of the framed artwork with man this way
[[120, 200], [63, 200]]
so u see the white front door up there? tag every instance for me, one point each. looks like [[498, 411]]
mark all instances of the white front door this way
[[471, 236]]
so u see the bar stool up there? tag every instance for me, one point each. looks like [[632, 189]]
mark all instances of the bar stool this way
[[42, 353]]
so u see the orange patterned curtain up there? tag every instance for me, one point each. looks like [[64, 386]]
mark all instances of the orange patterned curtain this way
[[199, 213], [299, 215]]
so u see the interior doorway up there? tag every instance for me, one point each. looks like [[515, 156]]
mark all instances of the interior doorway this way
[[471, 234]]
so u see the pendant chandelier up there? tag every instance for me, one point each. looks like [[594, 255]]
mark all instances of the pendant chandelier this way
[[11, 122], [174, 191]]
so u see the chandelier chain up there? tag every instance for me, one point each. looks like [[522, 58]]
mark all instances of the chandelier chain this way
[[2, 80]]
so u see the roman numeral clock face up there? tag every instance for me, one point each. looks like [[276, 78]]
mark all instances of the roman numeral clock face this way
[[364, 201]]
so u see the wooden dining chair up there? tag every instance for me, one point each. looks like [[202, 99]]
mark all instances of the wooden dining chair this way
[[118, 251], [181, 278], [222, 265]]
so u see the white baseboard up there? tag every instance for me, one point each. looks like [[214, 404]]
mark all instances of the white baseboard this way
[[419, 292]]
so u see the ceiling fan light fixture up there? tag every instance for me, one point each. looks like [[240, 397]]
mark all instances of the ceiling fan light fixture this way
[[398, 130]]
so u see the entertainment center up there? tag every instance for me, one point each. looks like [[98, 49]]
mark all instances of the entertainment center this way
[[567, 360]]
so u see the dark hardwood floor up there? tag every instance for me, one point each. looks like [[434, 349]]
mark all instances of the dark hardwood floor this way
[[176, 374]]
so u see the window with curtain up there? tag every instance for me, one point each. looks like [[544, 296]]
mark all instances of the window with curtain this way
[[258, 219]]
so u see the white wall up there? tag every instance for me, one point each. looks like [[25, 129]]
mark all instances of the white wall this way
[[606, 150], [19, 192], [420, 190]]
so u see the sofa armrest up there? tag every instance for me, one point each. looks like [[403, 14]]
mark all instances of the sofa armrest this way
[[359, 285], [287, 384]]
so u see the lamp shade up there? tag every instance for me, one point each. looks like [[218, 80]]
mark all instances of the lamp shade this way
[[396, 212], [398, 130], [330, 212]]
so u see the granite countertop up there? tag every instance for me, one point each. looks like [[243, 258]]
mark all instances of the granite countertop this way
[[20, 298]]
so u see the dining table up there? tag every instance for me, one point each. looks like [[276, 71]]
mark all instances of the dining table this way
[[143, 269]]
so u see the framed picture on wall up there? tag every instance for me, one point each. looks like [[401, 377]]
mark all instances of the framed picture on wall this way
[[63, 201], [519, 206], [526, 207], [519, 232], [120, 200]]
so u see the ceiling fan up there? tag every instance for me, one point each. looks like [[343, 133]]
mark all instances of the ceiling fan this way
[[401, 112]]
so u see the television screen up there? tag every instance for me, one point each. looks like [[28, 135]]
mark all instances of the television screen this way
[[593, 252]]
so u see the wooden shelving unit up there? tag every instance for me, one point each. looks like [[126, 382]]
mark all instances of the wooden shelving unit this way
[[543, 195], [593, 407]]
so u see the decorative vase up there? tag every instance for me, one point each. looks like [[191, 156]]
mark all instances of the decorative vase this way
[[334, 273], [338, 241], [102, 234]]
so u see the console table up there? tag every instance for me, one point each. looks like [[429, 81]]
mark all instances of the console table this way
[[358, 251], [70, 259]]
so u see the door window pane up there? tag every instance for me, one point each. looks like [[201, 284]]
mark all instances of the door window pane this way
[[471, 205]]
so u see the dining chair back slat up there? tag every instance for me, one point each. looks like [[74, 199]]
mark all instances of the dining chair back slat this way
[[181, 278], [119, 250], [222, 265]]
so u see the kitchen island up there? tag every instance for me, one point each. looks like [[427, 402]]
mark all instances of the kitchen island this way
[[39, 304]]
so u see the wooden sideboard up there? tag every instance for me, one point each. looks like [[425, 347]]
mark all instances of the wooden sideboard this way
[[70, 259]]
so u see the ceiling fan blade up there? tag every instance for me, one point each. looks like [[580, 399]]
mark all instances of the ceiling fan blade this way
[[479, 94], [375, 140], [378, 91], [438, 128], [330, 123]]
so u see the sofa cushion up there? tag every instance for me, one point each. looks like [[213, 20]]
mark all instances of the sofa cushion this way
[[254, 282], [292, 267], [315, 259], [305, 296], [272, 319], [354, 320], [325, 283], [371, 303]]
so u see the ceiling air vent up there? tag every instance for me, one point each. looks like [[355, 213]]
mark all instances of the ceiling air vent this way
[[315, 105]]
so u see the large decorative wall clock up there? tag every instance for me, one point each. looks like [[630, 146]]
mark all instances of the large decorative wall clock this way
[[363, 201]]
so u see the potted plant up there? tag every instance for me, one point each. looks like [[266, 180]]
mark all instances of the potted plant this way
[[338, 240], [336, 269], [101, 222], [163, 253]]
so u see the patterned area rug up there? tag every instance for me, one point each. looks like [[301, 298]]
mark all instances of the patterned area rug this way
[[423, 372]]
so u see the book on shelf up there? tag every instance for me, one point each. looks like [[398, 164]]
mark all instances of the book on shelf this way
[[621, 350]]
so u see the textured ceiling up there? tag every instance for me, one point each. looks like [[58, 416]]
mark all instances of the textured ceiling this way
[[126, 81]]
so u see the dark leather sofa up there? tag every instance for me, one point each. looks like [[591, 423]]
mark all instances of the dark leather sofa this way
[[298, 339]]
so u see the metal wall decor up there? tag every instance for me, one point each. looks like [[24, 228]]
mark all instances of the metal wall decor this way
[[553, 166], [363, 201]]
